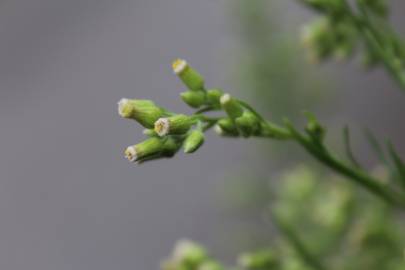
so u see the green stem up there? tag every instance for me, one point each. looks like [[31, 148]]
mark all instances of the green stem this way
[[287, 231], [374, 40]]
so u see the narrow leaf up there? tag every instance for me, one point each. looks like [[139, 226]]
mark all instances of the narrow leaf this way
[[348, 148], [376, 146]]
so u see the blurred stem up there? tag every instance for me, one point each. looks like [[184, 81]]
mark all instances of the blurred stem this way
[[373, 38], [292, 237]]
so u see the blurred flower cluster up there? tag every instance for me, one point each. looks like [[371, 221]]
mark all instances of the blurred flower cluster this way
[[320, 223], [342, 27]]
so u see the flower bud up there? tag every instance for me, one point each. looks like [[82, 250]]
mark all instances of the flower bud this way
[[175, 125], [170, 147], [320, 39], [214, 96], [193, 141], [314, 128], [189, 253], [190, 77], [193, 98], [231, 106], [150, 147], [145, 112], [226, 127], [248, 123]]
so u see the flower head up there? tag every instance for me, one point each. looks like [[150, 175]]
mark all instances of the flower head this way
[[189, 76], [145, 112], [150, 147], [130, 154], [174, 125]]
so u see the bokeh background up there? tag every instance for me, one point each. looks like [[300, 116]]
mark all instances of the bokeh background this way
[[68, 198]]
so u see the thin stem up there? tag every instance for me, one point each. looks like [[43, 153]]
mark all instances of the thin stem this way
[[318, 150], [374, 40], [292, 237]]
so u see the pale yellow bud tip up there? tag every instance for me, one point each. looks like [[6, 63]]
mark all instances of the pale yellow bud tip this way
[[179, 65], [130, 154], [121, 107], [162, 126]]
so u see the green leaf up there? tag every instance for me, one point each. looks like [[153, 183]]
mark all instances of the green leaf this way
[[348, 148]]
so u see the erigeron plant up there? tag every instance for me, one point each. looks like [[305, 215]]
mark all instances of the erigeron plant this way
[[168, 132], [371, 239]]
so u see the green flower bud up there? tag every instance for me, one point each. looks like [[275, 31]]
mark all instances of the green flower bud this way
[[175, 125], [150, 147], [193, 141], [193, 98], [319, 38], [314, 128], [210, 265], [189, 253], [214, 96], [190, 77], [231, 106], [264, 259], [226, 127], [170, 147], [145, 112], [248, 123]]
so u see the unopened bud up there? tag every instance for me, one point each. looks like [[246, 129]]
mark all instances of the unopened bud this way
[[231, 106], [314, 128], [193, 141], [214, 96], [194, 99], [248, 123], [150, 147], [226, 127], [176, 125], [170, 147], [145, 112], [190, 77]]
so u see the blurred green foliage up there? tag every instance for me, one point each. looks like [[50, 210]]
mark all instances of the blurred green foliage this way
[[323, 224]]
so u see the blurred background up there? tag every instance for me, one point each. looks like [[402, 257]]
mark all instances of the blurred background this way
[[68, 198]]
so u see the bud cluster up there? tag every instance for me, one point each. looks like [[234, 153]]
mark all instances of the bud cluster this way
[[167, 132], [342, 28]]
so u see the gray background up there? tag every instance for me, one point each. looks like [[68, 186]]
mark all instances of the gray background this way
[[68, 199]]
